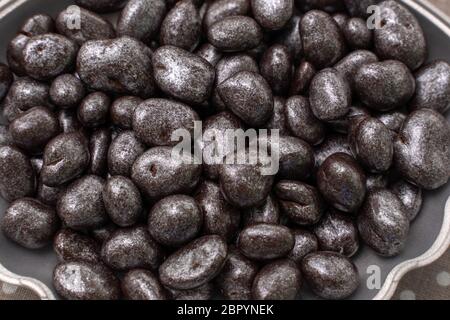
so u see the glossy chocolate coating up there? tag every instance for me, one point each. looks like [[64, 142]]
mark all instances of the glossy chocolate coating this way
[[302, 78], [194, 264], [131, 248], [6, 140], [104, 232], [81, 204], [323, 42], [183, 75], [249, 96], [33, 129], [272, 14], [82, 280], [305, 243], [278, 280], [302, 122], [422, 149], [290, 37], [342, 182], [433, 87], [141, 19], [122, 200], [383, 223], [122, 110], [94, 109], [393, 120], [410, 196], [14, 54], [375, 181], [357, 34], [236, 278], [182, 26], [243, 185], [372, 144], [65, 157], [214, 133], [175, 220], [204, 292], [25, 93], [350, 128], [98, 148], [341, 19], [37, 24], [92, 26], [278, 121], [329, 95], [354, 115], [265, 241], [67, 91], [131, 72], [330, 275], [30, 223], [384, 85], [296, 158], [350, 64], [335, 143], [269, 213], [220, 9], [68, 121], [401, 36], [140, 284], [17, 177], [276, 68], [70, 245], [48, 195], [227, 67], [123, 152], [154, 125], [235, 33], [299, 201], [48, 55], [210, 53], [219, 217], [158, 175], [337, 232]]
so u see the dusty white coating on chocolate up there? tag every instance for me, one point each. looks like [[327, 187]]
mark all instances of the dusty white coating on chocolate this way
[[92, 26], [330, 275], [158, 175], [195, 264], [182, 74], [49, 55]]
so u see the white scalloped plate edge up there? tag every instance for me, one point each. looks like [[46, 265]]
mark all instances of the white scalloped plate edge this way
[[438, 248], [40, 289]]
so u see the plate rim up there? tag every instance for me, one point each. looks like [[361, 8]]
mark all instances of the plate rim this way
[[439, 247], [442, 242]]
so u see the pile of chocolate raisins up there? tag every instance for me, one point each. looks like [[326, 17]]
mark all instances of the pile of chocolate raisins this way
[[89, 110]]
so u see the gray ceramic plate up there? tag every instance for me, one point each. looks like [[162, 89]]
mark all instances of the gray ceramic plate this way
[[430, 232]]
